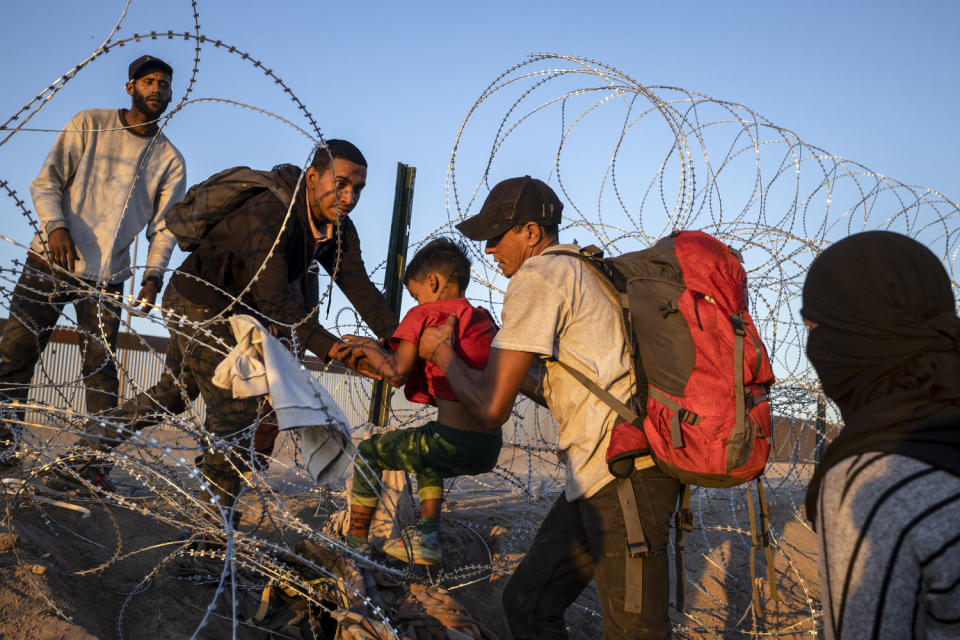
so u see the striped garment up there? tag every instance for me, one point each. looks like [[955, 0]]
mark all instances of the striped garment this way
[[889, 532]]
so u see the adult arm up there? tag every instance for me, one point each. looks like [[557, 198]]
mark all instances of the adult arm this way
[[162, 241], [532, 384], [47, 190], [350, 274], [489, 394], [57, 170]]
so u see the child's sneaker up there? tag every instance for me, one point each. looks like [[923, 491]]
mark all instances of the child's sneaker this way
[[415, 545]]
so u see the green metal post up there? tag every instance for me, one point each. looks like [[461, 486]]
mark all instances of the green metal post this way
[[821, 426], [396, 261]]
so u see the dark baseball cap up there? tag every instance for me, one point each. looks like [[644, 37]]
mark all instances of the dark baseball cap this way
[[145, 64], [510, 203]]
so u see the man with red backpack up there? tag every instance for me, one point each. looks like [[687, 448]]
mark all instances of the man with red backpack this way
[[556, 309]]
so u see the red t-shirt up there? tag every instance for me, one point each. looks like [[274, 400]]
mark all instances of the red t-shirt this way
[[475, 331]]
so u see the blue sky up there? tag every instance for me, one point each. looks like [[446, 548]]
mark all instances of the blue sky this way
[[876, 82]]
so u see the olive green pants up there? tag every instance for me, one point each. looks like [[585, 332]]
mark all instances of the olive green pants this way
[[433, 451]]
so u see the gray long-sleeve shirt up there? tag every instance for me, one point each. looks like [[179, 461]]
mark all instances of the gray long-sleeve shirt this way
[[105, 184], [889, 549]]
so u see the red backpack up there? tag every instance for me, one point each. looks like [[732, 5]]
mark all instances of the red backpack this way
[[701, 407]]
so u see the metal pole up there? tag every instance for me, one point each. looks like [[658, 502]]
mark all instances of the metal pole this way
[[396, 262], [821, 426]]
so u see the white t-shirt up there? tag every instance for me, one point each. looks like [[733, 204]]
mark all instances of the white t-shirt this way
[[556, 306]]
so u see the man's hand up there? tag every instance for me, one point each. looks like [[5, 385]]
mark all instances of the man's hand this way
[[368, 356], [147, 295], [361, 341], [436, 343], [363, 356], [340, 351], [488, 394], [62, 250]]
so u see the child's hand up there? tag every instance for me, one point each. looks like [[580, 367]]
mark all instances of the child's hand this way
[[437, 341]]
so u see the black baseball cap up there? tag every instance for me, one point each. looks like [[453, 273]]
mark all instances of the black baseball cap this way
[[510, 203], [145, 64]]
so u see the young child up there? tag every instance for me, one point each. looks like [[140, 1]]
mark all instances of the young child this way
[[456, 443]]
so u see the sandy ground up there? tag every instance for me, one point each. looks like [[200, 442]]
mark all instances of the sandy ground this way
[[67, 576]]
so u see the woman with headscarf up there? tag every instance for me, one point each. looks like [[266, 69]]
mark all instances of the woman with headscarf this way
[[885, 498]]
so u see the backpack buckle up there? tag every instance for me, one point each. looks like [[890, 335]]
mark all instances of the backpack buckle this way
[[592, 251], [688, 416], [638, 549], [737, 321], [669, 307], [755, 395]]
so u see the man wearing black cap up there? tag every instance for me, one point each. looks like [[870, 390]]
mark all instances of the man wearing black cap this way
[[555, 308], [110, 173]]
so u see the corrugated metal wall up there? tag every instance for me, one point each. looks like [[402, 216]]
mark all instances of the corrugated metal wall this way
[[57, 382]]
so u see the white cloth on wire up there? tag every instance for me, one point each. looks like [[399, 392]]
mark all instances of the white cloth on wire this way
[[261, 365]]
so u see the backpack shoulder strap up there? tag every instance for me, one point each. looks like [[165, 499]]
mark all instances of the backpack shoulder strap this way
[[280, 191], [608, 398], [738, 389], [593, 256]]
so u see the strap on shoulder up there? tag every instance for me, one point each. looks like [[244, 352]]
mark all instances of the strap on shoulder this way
[[608, 398]]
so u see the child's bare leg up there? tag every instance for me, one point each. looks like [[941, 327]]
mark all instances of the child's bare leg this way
[[430, 509], [360, 517], [363, 494], [430, 492]]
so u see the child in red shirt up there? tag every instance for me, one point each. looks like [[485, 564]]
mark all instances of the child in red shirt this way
[[456, 443]]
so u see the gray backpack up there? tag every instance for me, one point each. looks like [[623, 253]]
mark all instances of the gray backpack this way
[[209, 202]]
